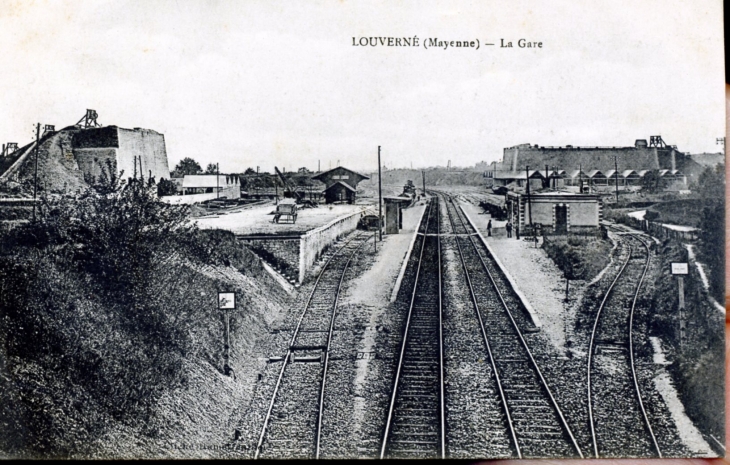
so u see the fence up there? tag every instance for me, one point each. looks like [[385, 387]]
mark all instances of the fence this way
[[659, 230]]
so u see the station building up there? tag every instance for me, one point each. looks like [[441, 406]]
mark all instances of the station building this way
[[340, 184], [556, 212]]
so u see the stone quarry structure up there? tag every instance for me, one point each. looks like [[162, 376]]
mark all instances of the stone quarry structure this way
[[642, 156], [71, 158]]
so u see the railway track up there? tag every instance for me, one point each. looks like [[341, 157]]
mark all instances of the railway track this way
[[292, 426], [619, 423], [536, 425], [415, 425]]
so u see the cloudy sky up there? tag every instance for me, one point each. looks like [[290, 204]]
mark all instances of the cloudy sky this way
[[247, 83]]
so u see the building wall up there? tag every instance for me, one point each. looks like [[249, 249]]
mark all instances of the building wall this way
[[590, 158], [581, 213], [233, 192], [92, 160], [146, 143], [392, 214], [339, 193], [93, 146], [542, 212]]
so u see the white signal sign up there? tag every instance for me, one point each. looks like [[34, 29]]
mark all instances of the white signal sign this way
[[680, 268], [226, 300]]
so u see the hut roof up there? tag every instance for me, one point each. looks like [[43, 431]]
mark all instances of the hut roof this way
[[340, 183]]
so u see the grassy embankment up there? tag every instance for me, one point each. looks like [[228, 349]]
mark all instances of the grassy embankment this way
[[579, 257], [110, 339]]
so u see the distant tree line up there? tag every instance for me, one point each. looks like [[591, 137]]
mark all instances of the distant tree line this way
[[249, 179]]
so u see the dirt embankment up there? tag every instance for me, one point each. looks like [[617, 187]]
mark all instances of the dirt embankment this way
[[96, 381], [58, 170]]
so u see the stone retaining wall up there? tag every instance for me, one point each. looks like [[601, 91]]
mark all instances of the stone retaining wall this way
[[315, 241]]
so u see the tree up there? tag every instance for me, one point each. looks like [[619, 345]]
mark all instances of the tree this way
[[249, 171], [711, 187], [211, 169], [187, 166], [712, 246], [711, 183], [166, 187], [652, 182]]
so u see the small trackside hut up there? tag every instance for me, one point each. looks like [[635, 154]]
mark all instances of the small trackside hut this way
[[394, 213], [556, 212], [340, 184]]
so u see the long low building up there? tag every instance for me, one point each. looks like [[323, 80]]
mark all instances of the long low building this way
[[556, 212], [596, 162]]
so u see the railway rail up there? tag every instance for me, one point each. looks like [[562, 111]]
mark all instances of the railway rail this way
[[613, 390], [292, 426], [537, 427], [415, 425]]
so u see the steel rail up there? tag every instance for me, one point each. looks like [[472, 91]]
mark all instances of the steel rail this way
[[327, 351], [502, 395], [403, 346], [565, 425], [590, 354], [442, 401], [591, 349], [631, 345], [289, 350]]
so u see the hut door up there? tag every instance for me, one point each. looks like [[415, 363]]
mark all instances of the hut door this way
[[561, 219]]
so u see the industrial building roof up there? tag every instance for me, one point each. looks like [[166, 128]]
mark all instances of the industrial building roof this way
[[516, 174]]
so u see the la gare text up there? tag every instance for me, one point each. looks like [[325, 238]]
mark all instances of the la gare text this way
[[440, 43]]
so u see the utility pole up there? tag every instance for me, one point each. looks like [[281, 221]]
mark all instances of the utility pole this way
[[423, 174], [380, 199], [529, 203], [547, 175], [615, 167], [217, 180], [35, 176], [580, 178]]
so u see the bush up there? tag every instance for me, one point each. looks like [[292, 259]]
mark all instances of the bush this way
[[100, 309], [578, 257]]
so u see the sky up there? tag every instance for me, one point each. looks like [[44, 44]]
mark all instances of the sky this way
[[264, 83]]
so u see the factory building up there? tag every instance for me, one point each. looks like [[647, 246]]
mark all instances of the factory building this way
[[596, 163], [340, 184]]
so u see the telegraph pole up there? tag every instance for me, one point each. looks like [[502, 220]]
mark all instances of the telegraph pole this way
[[580, 178], [615, 167], [529, 203], [217, 180], [423, 174], [35, 176], [380, 199]]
